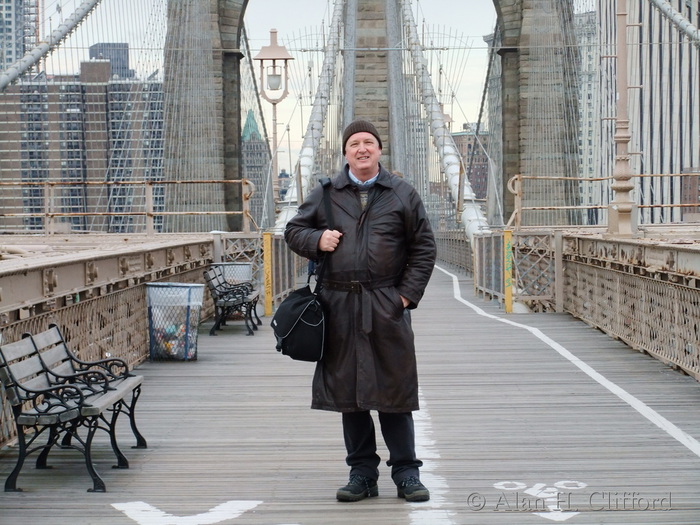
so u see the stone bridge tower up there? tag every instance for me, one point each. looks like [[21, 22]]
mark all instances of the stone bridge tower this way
[[372, 32], [220, 143], [523, 24], [369, 32]]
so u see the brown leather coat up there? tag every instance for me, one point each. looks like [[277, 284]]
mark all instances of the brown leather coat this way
[[388, 250]]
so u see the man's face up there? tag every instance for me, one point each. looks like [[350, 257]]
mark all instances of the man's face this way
[[362, 153]]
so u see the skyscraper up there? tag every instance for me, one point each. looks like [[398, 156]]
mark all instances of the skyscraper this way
[[18, 29], [74, 131], [118, 55]]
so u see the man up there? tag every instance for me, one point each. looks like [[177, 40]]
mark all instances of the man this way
[[380, 256]]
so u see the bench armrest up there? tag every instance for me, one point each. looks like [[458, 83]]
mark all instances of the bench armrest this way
[[112, 367], [67, 396], [88, 381]]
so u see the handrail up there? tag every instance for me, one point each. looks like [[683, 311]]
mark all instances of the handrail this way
[[515, 187], [148, 211]]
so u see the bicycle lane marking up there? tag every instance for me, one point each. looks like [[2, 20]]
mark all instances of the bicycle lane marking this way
[[642, 408], [433, 511]]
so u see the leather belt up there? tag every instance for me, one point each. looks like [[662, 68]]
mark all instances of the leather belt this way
[[344, 286], [358, 286], [363, 288]]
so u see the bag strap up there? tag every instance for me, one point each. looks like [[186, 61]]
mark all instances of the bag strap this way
[[326, 183]]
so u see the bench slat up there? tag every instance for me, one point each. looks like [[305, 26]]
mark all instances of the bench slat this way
[[16, 350], [48, 338], [55, 356]]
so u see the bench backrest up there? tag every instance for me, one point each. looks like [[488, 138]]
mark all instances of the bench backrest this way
[[216, 284], [215, 277], [235, 273], [20, 368], [211, 281], [231, 276], [54, 352]]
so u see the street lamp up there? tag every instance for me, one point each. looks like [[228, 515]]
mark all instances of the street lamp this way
[[622, 209], [273, 77]]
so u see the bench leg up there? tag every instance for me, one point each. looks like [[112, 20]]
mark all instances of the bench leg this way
[[122, 462], [248, 317], [11, 481], [218, 315], [250, 312], [255, 313], [26, 447], [92, 424], [67, 440], [41, 460], [130, 409]]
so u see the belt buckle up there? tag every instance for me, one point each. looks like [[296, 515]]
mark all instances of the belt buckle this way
[[356, 286]]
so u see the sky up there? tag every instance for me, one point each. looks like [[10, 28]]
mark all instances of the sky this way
[[470, 19]]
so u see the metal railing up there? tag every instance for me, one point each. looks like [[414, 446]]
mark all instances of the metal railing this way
[[454, 249], [53, 208], [644, 293], [684, 187]]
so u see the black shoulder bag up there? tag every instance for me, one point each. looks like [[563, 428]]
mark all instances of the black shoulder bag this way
[[299, 323]]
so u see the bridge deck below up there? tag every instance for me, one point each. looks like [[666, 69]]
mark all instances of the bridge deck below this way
[[520, 414]]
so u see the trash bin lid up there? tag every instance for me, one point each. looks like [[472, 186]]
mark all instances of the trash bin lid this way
[[174, 294]]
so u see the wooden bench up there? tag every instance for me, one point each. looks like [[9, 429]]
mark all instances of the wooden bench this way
[[63, 364], [64, 408], [230, 298], [241, 274]]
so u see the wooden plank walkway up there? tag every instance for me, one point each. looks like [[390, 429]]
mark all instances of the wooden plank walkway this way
[[521, 414]]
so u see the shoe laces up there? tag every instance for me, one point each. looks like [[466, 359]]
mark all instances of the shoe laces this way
[[358, 479], [410, 481]]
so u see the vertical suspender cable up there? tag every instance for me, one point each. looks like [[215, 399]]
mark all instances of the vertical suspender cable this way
[[314, 129], [472, 218]]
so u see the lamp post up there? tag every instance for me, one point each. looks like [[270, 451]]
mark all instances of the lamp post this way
[[274, 77], [622, 209]]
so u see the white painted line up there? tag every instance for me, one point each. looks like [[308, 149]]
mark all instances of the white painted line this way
[[145, 514], [431, 511], [664, 424]]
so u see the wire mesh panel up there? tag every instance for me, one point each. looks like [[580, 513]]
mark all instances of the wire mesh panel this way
[[237, 272], [173, 318], [534, 269]]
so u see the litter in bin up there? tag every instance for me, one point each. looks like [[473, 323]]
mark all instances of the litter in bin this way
[[173, 318]]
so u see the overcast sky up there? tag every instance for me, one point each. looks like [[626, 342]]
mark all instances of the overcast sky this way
[[472, 19]]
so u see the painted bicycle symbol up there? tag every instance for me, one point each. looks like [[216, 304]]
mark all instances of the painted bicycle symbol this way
[[552, 502]]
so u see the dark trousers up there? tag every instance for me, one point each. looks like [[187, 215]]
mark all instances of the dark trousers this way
[[361, 444]]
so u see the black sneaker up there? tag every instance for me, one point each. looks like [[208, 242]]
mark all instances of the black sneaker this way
[[411, 489], [359, 487]]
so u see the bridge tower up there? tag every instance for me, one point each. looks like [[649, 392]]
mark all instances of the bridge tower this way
[[370, 26], [220, 144], [372, 64], [523, 126]]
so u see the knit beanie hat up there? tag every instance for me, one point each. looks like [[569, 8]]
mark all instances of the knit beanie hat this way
[[358, 126]]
